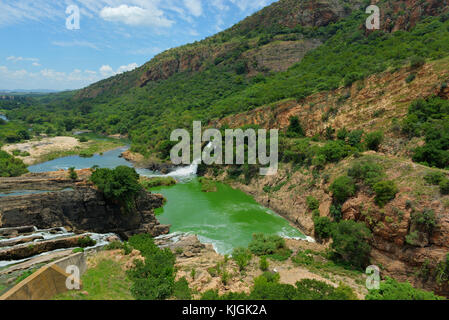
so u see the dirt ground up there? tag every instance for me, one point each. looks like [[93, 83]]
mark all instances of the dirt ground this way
[[39, 148]]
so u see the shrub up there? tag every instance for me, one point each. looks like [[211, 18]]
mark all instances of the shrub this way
[[373, 140], [149, 183], [385, 192], [355, 137], [417, 62], [10, 166], [442, 271], [273, 247], [72, 173], [434, 177], [312, 203], [350, 243], [391, 289], [323, 227], [121, 184], [295, 129], [86, 241], [342, 189], [425, 220], [181, 290], [410, 78], [153, 279], [444, 186], [242, 257], [367, 172], [334, 151], [264, 264]]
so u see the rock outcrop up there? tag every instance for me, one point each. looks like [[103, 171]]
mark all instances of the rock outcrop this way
[[80, 209]]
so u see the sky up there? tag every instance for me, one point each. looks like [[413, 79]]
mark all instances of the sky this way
[[69, 44]]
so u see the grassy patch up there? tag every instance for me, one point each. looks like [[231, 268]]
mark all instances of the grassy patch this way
[[107, 281], [149, 183], [208, 185]]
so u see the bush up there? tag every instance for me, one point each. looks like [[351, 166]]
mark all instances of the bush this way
[[149, 183], [373, 140], [312, 203], [367, 172], [444, 186], [385, 192], [350, 243], [295, 129], [425, 220], [355, 137], [342, 189], [417, 62], [323, 227], [153, 279], [410, 78], [10, 166], [273, 247], [242, 257], [434, 177], [121, 184], [72, 173], [391, 289], [181, 290], [334, 151], [86, 241], [264, 264]]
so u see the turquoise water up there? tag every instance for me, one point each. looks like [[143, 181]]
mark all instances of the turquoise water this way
[[227, 218]]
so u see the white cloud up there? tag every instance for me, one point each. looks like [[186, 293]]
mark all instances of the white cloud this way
[[75, 43], [36, 64], [194, 6], [136, 16], [107, 71], [244, 5], [17, 59]]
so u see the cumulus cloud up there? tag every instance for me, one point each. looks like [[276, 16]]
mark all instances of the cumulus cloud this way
[[107, 71], [195, 7], [54, 79], [136, 16], [250, 4]]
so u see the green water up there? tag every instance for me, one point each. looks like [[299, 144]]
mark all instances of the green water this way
[[227, 218]]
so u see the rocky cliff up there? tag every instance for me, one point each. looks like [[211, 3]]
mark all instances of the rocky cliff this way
[[81, 208]]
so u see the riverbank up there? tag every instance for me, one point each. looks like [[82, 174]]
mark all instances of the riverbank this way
[[37, 151], [204, 270]]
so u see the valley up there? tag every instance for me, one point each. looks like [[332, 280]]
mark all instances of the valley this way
[[363, 177]]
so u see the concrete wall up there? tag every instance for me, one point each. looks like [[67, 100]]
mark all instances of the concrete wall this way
[[48, 281]]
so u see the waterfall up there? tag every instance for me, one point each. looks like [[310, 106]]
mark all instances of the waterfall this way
[[190, 170]]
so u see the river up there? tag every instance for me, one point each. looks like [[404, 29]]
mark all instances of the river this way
[[227, 218]]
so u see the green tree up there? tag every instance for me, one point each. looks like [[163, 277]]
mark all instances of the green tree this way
[[343, 188], [120, 184], [350, 243]]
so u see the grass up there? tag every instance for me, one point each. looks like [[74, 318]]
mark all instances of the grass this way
[[208, 185], [318, 263], [149, 183], [107, 281]]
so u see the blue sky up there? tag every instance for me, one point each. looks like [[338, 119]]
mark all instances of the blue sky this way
[[39, 51]]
